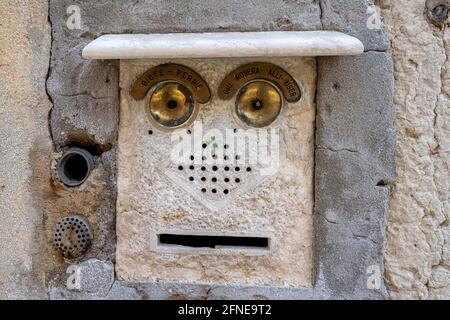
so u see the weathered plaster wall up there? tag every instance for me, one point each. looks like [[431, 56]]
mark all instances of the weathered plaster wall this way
[[418, 243], [25, 144]]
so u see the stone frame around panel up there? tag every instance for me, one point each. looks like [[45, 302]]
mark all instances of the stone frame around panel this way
[[355, 142]]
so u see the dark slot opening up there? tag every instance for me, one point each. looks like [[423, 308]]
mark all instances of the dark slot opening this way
[[195, 241]]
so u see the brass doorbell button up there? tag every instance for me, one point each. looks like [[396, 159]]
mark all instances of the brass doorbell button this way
[[258, 104], [171, 72], [171, 104], [260, 71]]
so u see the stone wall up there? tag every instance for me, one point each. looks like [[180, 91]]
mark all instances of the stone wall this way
[[418, 243]]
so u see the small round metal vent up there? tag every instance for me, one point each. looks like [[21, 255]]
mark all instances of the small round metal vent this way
[[72, 237]]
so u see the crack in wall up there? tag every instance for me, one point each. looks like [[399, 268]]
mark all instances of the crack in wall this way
[[321, 12], [336, 150], [50, 130]]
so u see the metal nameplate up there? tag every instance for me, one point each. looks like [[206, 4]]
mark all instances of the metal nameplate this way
[[260, 71], [171, 72]]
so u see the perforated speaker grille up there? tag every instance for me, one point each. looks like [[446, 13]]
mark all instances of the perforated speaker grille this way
[[72, 237]]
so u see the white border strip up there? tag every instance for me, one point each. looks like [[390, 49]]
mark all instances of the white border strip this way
[[223, 45]]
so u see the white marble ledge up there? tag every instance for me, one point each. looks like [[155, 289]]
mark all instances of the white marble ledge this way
[[223, 45]]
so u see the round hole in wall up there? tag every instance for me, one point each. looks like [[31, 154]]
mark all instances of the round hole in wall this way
[[214, 190], [227, 168], [203, 179], [191, 179], [75, 166], [249, 169], [214, 179], [226, 191], [237, 169], [191, 167], [227, 180], [237, 180], [203, 190], [180, 168]]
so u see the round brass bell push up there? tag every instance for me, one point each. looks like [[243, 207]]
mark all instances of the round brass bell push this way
[[258, 104], [171, 104]]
